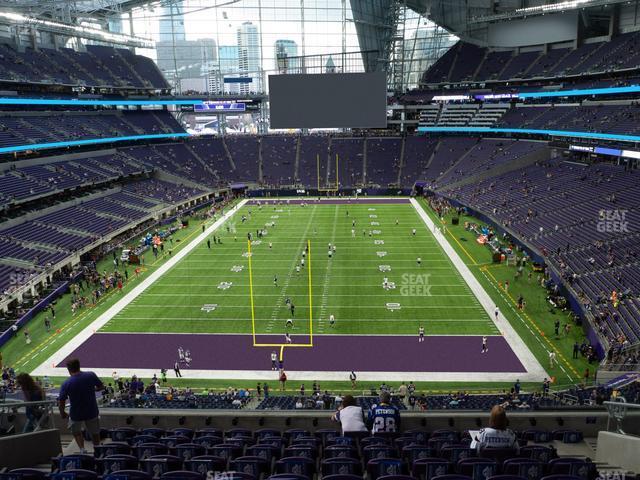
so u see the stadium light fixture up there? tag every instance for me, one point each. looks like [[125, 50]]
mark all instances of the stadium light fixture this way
[[81, 31]]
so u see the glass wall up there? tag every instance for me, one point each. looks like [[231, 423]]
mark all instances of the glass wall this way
[[230, 46]]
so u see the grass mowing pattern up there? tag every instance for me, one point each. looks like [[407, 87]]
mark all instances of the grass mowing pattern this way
[[349, 285]]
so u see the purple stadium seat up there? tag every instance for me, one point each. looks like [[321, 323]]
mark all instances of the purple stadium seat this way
[[157, 465], [427, 468], [477, 468], [208, 441], [75, 474], [396, 477], [146, 450], [255, 466], [378, 451], [342, 477], [339, 451], [523, 467], [182, 475], [128, 475], [113, 463], [287, 476], [538, 452], [23, 474], [296, 465], [206, 463], [341, 466], [576, 467], [186, 451], [379, 467]]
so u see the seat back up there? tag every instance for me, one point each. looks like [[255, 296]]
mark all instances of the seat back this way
[[122, 434], [296, 465], [252, 465], [182, 475], [524, 467], [147, 450], [204, 464], [340, 451], [112, 448], [428, 468], [23, 474], [419, 436], [74, 462], [226, 450], [576, 467], [207, 441], [158, 465], [538, 452], [75, 474], [498, 454], [378, 451], [478, 468], [380, 467], [128, 475], [341, 466], [113, 463], [301, 451], [413, 452], [183, 432], [456, 452], [267, 452]]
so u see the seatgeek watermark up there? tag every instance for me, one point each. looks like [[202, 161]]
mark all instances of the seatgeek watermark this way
[[415, 285], [613, 221]]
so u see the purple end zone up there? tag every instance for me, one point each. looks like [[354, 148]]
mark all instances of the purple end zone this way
[[331, 201], [333, 353]]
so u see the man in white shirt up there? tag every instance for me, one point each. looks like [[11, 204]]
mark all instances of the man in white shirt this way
[[350, 416]]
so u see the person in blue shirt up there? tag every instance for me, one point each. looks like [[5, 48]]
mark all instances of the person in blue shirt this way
[[80, 389], [383, 416]]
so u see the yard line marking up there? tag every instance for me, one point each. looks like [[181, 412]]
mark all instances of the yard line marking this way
[[327, 275], [534, 369], [292, 267], [117, 307]]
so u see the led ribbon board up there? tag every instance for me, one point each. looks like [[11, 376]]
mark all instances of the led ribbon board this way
[[550, 133]]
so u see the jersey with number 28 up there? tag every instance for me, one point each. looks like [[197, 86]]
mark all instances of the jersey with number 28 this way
[[384, 418]]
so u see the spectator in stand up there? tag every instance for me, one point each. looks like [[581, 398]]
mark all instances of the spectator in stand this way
[[80, 389], [497, 435], [32, 392], [350, 416], [283, 380], [383, 416]]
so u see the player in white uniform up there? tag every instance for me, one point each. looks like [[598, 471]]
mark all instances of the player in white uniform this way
[[353, 233], [274, 360], [413, 232], [485, 348], [421, 334], [332, 320], [289, 323], [496, 312], [287, 338]]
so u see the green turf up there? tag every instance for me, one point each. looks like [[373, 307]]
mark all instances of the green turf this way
[[354, 283], [349, 285]]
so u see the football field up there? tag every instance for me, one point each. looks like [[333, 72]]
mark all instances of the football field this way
[[376, 265]]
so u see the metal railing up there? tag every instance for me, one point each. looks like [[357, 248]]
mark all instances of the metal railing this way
[[617, 410], [38, 416]]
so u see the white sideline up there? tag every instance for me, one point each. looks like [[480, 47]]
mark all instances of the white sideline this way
[[535, 371], [47, 367], [324, 376]]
